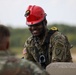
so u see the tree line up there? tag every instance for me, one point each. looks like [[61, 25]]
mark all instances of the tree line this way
[[19, 35]]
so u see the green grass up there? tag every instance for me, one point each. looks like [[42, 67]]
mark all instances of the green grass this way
[[17, 51]]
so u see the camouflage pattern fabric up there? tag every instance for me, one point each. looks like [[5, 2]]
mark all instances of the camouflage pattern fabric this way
[[58, 51], [60, 48], [10, 65]]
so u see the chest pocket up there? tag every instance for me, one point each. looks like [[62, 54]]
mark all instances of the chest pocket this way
[[37, 51], [33, 52]]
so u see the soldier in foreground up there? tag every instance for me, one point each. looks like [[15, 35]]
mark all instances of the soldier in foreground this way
[[10, 65], [44, 46]]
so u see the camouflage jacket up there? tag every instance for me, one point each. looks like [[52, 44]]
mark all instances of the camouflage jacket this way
[[10, 65], [56, 49]]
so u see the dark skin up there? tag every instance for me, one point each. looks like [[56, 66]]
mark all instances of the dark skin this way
[[37, 30]]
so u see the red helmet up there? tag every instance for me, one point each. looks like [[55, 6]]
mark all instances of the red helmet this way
[[34, 14]]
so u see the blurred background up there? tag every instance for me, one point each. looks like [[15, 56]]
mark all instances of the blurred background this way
[[60, 13]]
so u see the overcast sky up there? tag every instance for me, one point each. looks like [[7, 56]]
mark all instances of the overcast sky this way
[[58, 11]]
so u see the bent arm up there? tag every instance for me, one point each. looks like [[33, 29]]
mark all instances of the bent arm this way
[[61, 52]]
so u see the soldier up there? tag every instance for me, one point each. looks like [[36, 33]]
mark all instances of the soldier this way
[[44, 46], [10, 65]]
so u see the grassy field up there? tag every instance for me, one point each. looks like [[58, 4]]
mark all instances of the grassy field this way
[[18, 52]]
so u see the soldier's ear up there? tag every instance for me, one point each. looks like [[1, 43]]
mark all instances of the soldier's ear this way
[[7, 46], [44, 22]]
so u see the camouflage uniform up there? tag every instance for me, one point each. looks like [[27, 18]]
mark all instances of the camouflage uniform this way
[[10, 65], [56, 49]]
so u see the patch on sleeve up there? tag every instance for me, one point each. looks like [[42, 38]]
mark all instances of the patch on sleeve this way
[[58, 52], [59, 49]]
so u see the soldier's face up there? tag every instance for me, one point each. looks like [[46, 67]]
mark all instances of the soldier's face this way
[[37, 29]]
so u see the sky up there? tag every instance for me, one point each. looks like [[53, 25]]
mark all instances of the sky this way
[[58, 11]]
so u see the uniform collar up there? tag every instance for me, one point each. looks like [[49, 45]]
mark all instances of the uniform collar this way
[[41, 41]]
